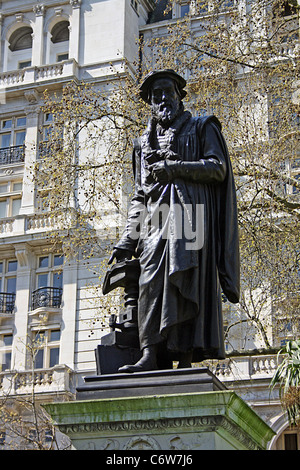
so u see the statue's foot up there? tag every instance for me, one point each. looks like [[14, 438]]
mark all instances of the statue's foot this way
[[147, 362]]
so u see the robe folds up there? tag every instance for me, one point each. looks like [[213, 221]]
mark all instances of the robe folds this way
[[185, 235]]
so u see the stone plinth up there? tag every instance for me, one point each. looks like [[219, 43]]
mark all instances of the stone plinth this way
[[160, 410], [149, 383]]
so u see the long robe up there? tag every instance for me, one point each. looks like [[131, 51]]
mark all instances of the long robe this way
[[179, 286]]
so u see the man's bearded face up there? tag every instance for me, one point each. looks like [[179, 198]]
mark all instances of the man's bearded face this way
[[165, 101]]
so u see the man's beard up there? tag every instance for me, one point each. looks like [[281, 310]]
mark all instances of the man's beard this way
[[165, 114]]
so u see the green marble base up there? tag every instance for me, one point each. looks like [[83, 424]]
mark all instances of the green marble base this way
[[208, 420]]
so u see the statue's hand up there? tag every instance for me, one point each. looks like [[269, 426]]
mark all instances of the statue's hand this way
[[163, 171], [168, 155], [120, 255], [160, 172]]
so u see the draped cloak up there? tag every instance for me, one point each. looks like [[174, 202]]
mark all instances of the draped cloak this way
[[180, 282]]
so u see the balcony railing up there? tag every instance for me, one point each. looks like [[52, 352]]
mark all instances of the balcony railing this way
[[58, 379], [14, 154], [7, 302], [47, 297]]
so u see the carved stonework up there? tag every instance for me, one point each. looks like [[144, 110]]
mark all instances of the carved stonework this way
[[75, 3], [161, 428], [58, 11], [19, 17], [39, 9], [23, 254], [31, 96], [142, 443]]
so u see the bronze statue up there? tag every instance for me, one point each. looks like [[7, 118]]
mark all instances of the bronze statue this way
[[182, 228]]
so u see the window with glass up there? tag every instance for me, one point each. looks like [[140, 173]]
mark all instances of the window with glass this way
[[51, 135], [6, 340], [49, 282], [23, 64], [48, 120], [47, 128], [49, 272], [12, 132], [8, 283], [62, 56], [46, 348], [184, 10], [10, 198], [8, 276], [59, 42]]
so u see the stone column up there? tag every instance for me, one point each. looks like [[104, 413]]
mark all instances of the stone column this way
[[74, 30], [1, 64], [25, 262], [31, 142], [67, 341], [38, 35]]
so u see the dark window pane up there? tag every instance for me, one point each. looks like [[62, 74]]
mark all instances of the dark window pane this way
[[55, 335], [39, 359], [43, 262], [54, 357], [290, 442], [12, 265]]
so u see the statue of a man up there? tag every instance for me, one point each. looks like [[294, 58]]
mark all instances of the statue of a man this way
[[182, 226]]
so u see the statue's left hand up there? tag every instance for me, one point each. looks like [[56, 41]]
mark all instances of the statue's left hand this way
[[162, 171], [120, 255]]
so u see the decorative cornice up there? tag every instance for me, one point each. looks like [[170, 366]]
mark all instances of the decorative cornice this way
[[207, 423]]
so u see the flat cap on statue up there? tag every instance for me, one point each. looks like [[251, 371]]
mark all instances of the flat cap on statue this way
[[167, 73]]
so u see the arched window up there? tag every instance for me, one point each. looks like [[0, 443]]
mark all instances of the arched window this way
[[19, 51], [60, 32], [58, 45], [21, 39]]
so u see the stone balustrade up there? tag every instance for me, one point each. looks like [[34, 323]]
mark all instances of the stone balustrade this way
[[66, 69], [6, 226], [40, 222], [244, 367], [23, 225], [30, 75], [58, 379]]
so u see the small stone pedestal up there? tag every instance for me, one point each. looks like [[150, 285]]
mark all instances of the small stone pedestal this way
[[180, 409]]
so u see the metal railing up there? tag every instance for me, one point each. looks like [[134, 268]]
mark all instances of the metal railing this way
[[7, 302], [14, 154], [46, 297]]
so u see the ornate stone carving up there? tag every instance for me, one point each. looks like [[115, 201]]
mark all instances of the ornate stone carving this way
[[39, 9], [19, 17], [75, 3], [31, 96], [193, 423], [142, 443]]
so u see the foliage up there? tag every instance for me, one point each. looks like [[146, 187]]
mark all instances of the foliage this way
[[242, 65], [80, 174], [287, 376], [24, 423]]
